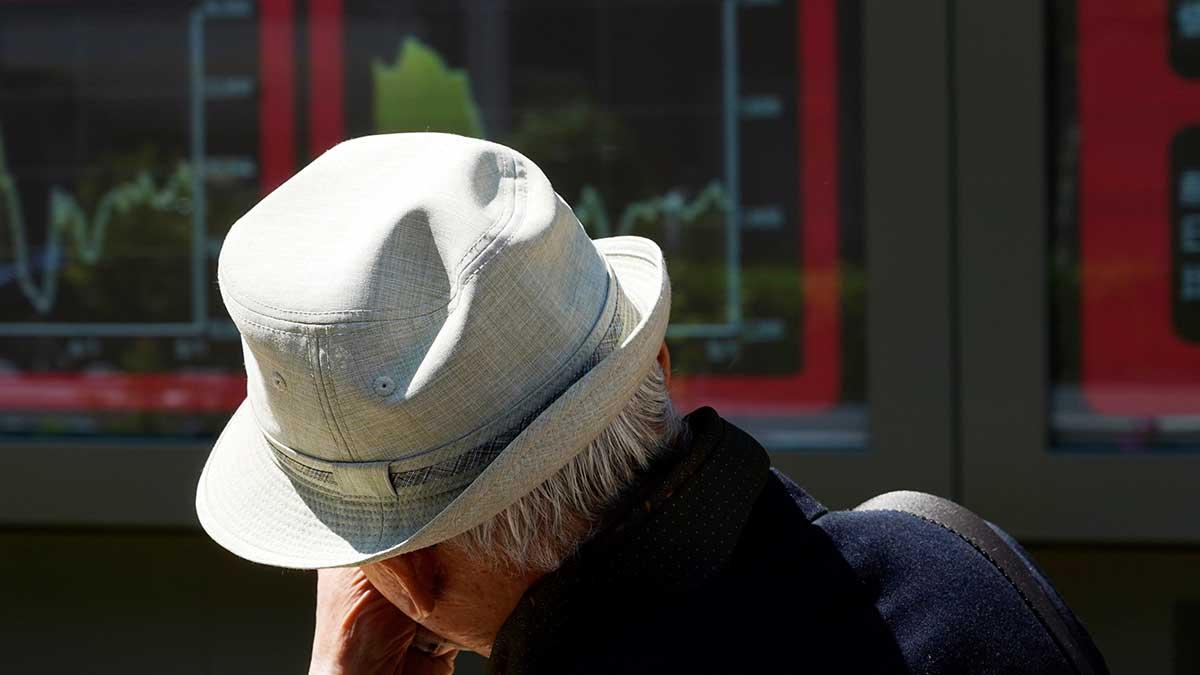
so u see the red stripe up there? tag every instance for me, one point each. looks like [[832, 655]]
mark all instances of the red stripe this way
[[817, 386], [326, 73], [1131, 104], [276, 92], [813, 388], [152, 392]]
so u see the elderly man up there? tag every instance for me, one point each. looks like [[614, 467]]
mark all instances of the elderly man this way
[[458, 405]]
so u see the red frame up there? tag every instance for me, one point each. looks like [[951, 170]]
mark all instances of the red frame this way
[[817, 386], [326, 62], [112, 392], [1131, 104], [276, 93]]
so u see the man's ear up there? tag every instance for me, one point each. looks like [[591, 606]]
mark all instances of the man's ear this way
[[417, 574], [664, 361]]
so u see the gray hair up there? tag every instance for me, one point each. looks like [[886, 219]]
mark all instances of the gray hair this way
[[545, 526]]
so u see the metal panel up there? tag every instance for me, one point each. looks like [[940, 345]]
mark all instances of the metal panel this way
[[907, 211], [1009, 473], [95, 484]]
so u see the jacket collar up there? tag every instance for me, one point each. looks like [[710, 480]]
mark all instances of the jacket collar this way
[[670, 533]]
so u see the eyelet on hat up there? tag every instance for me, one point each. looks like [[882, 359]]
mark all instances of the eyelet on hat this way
[[278, 381], [384, 385]]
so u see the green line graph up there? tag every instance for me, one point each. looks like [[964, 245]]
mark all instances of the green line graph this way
[[671, 206], [68, 220]]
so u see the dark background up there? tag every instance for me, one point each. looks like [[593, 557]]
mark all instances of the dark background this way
[[958, 170]]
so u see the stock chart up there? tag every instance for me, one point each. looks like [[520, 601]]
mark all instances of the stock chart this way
[[132, 135]]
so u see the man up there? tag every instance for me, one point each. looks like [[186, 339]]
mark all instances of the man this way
[[457, 407]]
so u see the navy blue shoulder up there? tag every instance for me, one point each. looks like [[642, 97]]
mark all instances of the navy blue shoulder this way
[[809, 506], [950, 609]]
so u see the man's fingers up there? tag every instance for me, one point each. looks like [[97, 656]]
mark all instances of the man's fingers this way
[[417, 662], [358, 630]]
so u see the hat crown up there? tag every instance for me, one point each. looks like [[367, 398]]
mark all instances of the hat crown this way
[[371, 228], [407, 296]]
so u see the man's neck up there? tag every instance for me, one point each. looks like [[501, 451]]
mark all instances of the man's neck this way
[[476, 588]]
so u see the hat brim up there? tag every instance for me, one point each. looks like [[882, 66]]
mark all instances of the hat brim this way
[[252, 507]]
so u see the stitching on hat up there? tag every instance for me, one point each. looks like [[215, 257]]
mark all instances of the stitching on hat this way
[[473, 461], [635, 256], [382, 526], [489, 253], [473, 250], [332, 387], [320, 476], [273, 330], [617, 315], [320, 481], [612, 288], [303, 328], [502, 222], [324, 482], [325, 388], [230, 294], [478, 458], [345, 328], [311, 357]]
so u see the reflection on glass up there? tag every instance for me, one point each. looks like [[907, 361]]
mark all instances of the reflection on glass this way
[[132, 136], [1126, 267]]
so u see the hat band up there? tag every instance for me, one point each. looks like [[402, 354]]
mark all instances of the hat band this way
[[392, 480]]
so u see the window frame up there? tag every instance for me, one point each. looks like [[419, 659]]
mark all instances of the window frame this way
[[1010, 472]]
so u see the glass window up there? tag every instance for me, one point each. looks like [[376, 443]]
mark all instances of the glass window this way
[[134, 134], [1126, 235], [125, 130]]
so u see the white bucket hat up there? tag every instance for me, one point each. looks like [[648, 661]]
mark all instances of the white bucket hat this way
[[429, 334]]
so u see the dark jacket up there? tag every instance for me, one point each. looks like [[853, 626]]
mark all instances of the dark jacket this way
[[719, 564]]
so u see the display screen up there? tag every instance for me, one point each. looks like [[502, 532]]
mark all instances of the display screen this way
[[1126, 240], [133, 134], [129, 141]]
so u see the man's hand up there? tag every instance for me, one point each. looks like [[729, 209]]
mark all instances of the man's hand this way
[[360, 632]]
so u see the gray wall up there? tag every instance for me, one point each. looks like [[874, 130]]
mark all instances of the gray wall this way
[[130, 602], [136, 602]]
